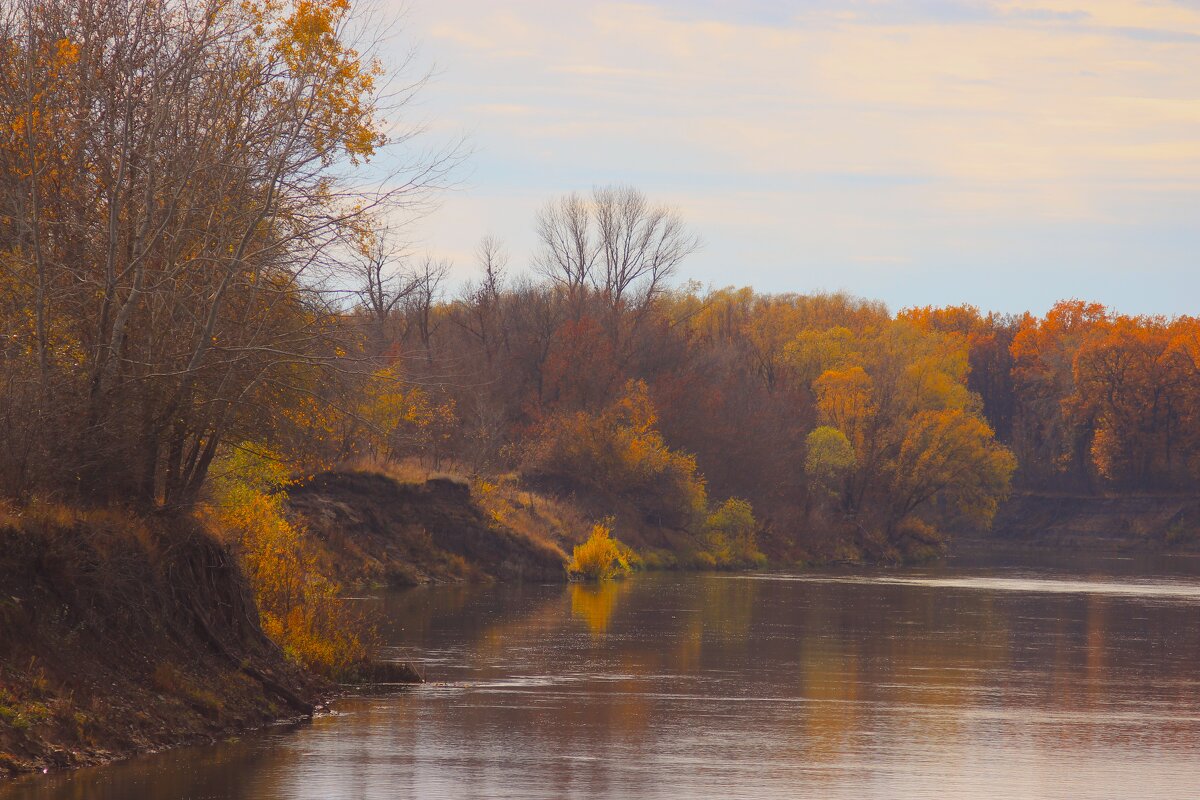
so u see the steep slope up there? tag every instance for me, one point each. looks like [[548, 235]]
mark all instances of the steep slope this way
[[376, 530], [120, 635]]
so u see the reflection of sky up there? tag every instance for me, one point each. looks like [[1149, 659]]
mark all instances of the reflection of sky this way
[[1006, 154]]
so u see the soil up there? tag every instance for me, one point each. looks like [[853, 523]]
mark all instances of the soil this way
[[121, 635], [375, 530]]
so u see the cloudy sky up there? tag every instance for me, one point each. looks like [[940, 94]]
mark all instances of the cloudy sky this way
[[1001, 154]]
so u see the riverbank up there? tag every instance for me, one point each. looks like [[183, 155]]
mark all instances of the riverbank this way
[[373, 529], [1087, 522], [122, 635]]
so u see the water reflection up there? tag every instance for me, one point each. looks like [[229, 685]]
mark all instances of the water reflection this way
[[956, 682], [595, 603]]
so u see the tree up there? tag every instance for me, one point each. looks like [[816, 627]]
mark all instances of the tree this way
[[421, 303], [478, 308], [902, 445], [615, 245], [828, 456], [1052, 444], [176, 179], [950, 457], [619, 452], [384, 282], [730, 532]]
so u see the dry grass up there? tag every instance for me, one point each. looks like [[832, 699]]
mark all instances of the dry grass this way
[[408, 471], [536, 516]]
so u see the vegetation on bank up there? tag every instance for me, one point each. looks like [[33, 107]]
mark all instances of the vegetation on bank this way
[[601, 557], [205, 314], [299, 607]]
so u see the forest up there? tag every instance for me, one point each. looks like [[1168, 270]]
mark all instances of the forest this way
[[194, 263], [243, 413]]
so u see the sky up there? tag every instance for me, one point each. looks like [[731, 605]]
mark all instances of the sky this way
[[1006, 155]]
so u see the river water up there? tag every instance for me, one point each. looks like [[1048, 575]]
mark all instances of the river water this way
[[964, 680]]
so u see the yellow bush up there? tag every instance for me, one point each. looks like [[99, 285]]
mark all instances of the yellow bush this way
[[300, 609], [601, 557]]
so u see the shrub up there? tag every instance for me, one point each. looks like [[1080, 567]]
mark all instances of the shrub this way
[[300, 609], [620, 452], [730, 536], [600, 557]]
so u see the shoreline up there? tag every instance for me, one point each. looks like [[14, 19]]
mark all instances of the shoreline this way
[[187, 676]]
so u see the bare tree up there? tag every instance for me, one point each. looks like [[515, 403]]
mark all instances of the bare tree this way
[[641, 246], [616, 245], [422, 303], [478, 308], [569, 250], [385, 282]]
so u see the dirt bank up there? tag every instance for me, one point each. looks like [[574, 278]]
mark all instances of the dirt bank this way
[[1154, 522], [377, 530], [121, 635]]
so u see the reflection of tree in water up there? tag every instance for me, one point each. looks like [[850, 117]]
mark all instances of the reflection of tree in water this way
[[810, 677], [727, 607]]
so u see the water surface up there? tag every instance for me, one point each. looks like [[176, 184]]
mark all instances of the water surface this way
[[959, 681]]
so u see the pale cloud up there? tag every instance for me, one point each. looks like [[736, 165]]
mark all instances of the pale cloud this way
[[504, 109], [888, 140]]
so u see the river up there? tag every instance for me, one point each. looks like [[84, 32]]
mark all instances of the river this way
[[979, 679]]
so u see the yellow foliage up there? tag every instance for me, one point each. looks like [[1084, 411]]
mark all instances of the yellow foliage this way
[[403, 418], [300, 609], [954, 456], [828, 455], [595, 604], [730, 536], [845, 399], [902, 438], [601, 557]]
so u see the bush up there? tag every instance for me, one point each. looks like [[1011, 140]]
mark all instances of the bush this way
[[601, 557], [619, 452], [300, 609], [730, 536]]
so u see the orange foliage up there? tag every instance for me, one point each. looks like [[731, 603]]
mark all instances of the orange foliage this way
[[620, 452], [1109, 397]]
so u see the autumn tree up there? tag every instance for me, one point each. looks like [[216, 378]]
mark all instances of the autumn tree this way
[[1051, 442], [619, 452], [176, 180], [902, 444]]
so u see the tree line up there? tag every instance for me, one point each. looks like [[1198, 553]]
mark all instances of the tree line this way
[[192, 259]]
